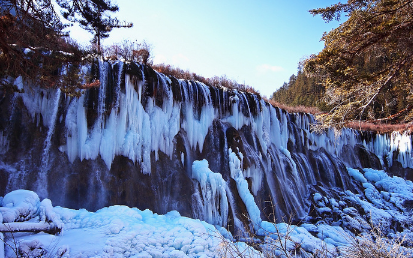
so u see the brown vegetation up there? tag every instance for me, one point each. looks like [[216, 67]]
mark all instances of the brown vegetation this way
[[376, 244], [129, 51], [32, 45], [278, 242], [380, 128], [93, 84], [377, 126], [294, 109], [216, 81]]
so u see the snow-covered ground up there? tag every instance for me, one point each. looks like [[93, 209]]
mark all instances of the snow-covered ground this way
[[116, 231], [120, 231]]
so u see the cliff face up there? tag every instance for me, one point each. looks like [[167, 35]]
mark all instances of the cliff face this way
[[146, 140]]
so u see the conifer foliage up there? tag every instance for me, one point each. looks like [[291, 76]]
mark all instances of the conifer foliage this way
[[301, 90], [366, 65], [93, 16]]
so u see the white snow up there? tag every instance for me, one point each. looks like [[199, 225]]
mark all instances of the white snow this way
[[118, 231], [19, 205], [285, 236], [356, 175], [396, 189], [317, 197]]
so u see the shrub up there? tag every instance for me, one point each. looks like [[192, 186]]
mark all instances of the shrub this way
[[380, 128], [276, 240], [129, 51], [376, 244]]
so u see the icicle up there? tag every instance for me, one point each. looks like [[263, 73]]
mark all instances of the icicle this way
[[238, 226], [42, 181], [102, 91], [242, 187], [4, 144], [197, 129], [116, 106]]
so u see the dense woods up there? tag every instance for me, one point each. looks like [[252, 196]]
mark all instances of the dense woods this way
[[301, 90], [364, 73]]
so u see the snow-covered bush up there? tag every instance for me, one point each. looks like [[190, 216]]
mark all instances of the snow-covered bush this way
[[19, 205], [376, 244]]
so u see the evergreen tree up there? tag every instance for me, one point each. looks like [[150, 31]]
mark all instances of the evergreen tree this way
[[367, 62], [92, 15], [301, 90]]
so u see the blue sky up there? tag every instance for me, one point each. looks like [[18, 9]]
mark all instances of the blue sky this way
[[259, 42]]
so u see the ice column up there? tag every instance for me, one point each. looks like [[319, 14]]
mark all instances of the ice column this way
[[42, 180], [213, 190], [242, 187]]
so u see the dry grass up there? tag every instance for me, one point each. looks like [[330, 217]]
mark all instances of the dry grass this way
[[277, 241], [376, 244], [279, 244], [296, 109], [271, 240]]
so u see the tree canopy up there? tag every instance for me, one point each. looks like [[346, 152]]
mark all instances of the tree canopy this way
[[366, 65], [32, 44]]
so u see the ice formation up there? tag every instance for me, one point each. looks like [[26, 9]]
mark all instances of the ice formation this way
[[152, 141], [116, 231], [212, 197], [243, 190], [134, 127]]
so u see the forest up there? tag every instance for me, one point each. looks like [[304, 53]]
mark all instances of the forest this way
[[364, 73]]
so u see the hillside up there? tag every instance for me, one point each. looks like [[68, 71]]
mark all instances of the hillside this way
[[301, 90]]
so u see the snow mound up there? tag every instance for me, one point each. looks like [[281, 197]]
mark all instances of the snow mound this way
[[120, 231], [19, 205], [25, 206]]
